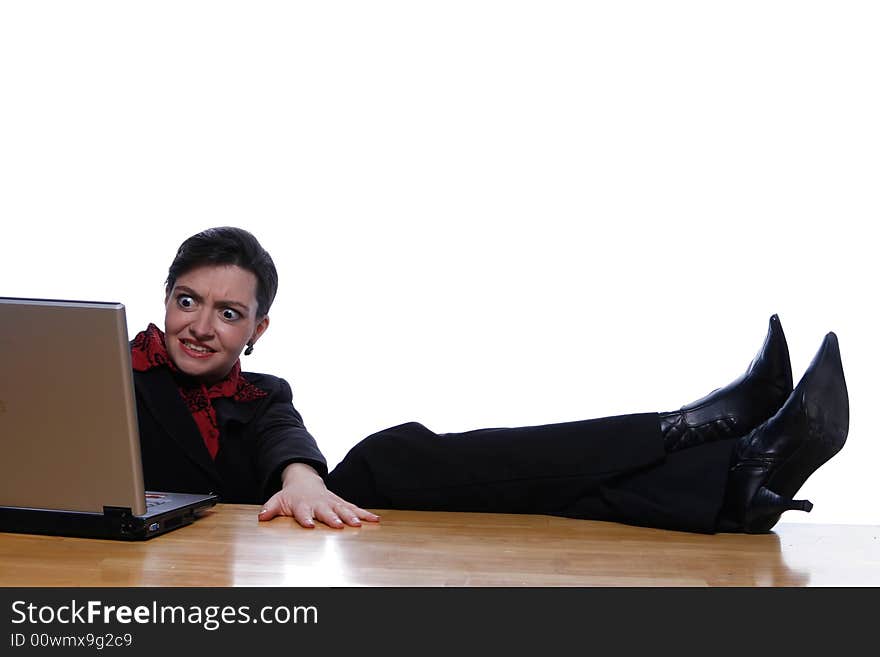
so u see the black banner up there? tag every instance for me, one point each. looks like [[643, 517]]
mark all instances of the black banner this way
[[416, 620]]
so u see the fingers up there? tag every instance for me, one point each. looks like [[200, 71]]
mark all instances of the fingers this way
[[353, 515], [349, 515], [335, 516], [340, 514], [276, 507], [303, 515], [363, 514], [270, 509]]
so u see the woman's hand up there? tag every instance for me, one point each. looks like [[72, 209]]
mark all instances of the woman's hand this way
[[304, 496]]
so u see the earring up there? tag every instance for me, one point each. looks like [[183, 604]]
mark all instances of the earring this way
[[249, 350]]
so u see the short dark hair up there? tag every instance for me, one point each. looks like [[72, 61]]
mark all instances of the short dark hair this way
[[227, 246]]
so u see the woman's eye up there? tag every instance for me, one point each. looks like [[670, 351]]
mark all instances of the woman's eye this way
[[230, 314], [185, 301]]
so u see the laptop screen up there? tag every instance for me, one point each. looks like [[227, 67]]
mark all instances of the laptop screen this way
[[68, 420]]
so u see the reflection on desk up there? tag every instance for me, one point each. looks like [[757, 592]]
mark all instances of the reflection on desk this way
[[229, 547]]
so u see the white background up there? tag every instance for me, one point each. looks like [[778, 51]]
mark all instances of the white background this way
[[482, 213]]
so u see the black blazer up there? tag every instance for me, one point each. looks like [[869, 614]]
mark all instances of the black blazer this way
[[257, 440]]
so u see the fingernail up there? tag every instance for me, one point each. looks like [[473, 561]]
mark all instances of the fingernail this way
[[263, 511]]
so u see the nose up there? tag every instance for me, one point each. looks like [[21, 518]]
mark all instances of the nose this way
[[202, 327]]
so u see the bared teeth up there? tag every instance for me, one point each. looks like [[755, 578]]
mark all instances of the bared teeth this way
[[202, 350]]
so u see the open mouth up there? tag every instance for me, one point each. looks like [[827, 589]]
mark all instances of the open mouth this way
[[195, 350]]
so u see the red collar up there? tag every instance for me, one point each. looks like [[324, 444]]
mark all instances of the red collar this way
[[148, 350]]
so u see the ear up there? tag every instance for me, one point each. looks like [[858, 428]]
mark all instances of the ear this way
[[260, 328]]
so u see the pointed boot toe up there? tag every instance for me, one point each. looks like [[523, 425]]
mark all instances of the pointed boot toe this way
[[773, 461], [740, 406]]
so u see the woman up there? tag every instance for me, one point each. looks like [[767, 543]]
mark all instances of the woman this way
[[731, 461]]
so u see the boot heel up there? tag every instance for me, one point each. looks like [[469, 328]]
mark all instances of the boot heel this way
[[766, 507]]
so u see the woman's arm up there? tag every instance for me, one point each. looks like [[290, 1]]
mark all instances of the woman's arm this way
[[289, 458]]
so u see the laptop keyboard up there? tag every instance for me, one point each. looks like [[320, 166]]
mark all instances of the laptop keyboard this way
[[154, 499]]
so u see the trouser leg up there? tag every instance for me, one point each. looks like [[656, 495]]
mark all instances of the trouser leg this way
[[685, 492], [602, 469]]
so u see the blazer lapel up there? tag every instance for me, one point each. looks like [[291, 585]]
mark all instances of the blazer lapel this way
[[157, 389]]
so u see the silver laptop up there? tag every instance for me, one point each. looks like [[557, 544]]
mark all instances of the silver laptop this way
[[71, 461]]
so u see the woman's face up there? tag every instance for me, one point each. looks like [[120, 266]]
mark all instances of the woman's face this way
[[210, 315]]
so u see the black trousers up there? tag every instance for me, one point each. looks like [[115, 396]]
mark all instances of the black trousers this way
[[612, 468]]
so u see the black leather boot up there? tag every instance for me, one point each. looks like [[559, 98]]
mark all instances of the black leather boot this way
[[736, 409], [774, 460]]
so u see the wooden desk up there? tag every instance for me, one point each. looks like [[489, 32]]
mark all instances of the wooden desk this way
[[228, 547]]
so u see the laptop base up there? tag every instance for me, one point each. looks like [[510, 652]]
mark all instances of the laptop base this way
[[115, 523]]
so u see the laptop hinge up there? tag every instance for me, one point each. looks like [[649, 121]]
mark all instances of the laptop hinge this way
[[121, 519]]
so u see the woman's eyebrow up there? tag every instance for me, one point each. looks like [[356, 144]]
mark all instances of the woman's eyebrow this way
[[222, 302]]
